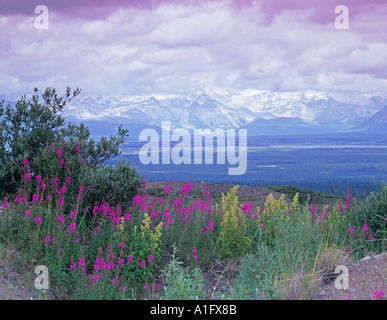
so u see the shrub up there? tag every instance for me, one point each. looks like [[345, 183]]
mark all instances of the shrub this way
[[373, 213], [33, 131], [180, 283], [118, 184], [291, 191], [27, 127]]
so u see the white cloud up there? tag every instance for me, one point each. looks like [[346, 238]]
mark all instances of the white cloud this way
[[176, 48]]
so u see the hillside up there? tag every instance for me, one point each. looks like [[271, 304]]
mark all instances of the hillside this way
[[258, 194]]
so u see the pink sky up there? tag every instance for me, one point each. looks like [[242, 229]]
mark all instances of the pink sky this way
[[128, 47]]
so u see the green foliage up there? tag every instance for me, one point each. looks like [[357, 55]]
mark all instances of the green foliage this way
[[26, 128], [118, 184], [253, 279], [232, 239], [304, 194], [34, 129], [295, 247], [372, 212], [180, 283]]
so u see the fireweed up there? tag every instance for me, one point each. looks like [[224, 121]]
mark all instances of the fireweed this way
[[102, 251]]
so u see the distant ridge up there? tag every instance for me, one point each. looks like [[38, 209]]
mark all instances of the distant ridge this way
[[376, 123]]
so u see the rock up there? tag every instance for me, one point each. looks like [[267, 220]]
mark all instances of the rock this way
[[367, 258]]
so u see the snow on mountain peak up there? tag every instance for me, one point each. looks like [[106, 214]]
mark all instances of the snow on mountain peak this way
[[226, 108]]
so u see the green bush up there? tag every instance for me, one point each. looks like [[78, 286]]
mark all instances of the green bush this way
[[118, 184], [27, 127], [372, 212], [305, 195], [34, 129], [180, 283]]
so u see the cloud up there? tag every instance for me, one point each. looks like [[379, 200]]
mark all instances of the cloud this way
[[169, 46]]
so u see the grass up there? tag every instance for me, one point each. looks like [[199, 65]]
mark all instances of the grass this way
[[305, 194]]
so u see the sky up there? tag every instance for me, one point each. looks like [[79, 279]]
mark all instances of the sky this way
[[130, 47]]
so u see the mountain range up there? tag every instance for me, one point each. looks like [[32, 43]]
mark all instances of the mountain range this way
[[261, 112]]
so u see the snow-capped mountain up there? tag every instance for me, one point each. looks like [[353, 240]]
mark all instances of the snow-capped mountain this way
[[219, 108]]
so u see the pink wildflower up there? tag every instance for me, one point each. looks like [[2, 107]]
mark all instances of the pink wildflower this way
[[47, 240], [379, 294], [55, 182], [27, 177], [151, 259], [5, 204], [61, 163], [80, 193], [60, 221], [127, 217], [19, 199], [185, 190], [25, 163], [38, 221], [98, 230], [194, 251], [94, 278], [73, 267], [73, 214], [167, 190], [71, 228], [137, 200], [210, 226], [61, 202], [60, 153], [82, 264], [35, 199]]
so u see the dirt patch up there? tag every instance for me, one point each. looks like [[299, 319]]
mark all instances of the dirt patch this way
[[219, 277], [14, 286], [365, 277]]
